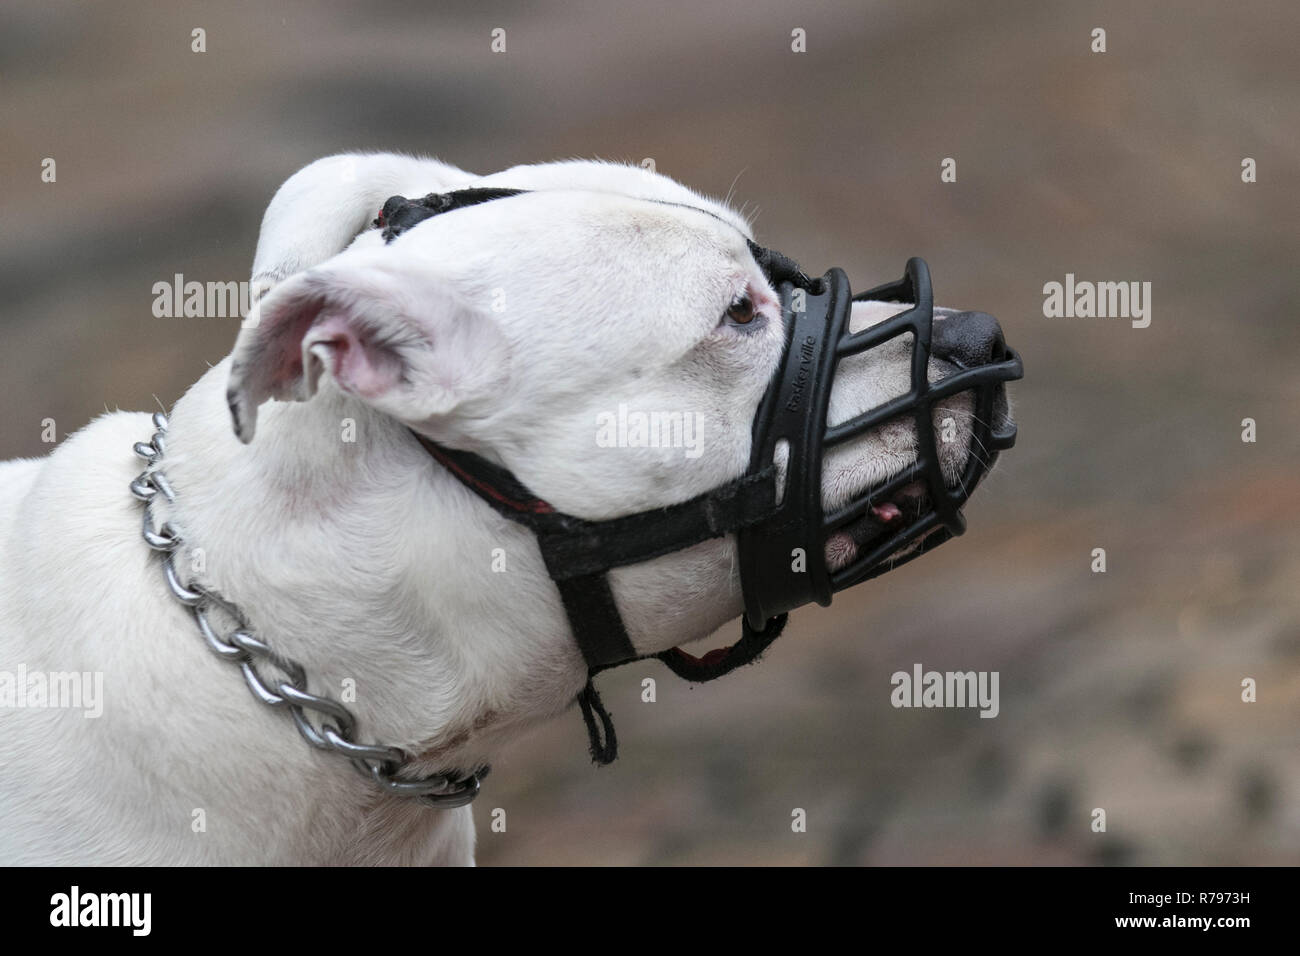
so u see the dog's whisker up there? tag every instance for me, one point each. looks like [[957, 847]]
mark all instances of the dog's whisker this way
[[731, 191]]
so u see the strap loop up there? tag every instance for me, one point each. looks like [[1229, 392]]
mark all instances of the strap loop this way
[[724, 660], [603, 752]]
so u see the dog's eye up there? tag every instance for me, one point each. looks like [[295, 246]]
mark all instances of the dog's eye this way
[[741, 310]]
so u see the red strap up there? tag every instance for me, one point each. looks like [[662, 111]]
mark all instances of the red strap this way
[[533, 505], [710, 659]]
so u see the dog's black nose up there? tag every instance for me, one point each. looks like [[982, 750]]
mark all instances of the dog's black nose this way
[[967, 339]]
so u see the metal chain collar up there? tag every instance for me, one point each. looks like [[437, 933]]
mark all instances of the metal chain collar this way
[[288, 691]]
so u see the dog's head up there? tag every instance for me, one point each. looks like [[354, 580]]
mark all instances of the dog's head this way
[[606, 336]]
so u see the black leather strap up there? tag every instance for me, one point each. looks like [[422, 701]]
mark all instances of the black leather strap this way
[[594, 619], [581, 548], [577, 548], [578, 553], [400, 213]]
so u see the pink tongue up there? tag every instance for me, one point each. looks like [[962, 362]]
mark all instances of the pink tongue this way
[[886, 512]]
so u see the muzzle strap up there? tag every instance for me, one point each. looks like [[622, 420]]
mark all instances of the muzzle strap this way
[[580, 553], [594, 619], [578, 548]]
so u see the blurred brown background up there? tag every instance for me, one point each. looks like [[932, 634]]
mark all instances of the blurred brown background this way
[[1120, 690]]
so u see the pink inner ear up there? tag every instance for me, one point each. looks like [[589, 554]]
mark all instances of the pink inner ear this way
[[358, 366], [280, 358]]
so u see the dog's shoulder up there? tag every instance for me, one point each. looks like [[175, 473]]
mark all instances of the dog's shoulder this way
[[75, 497]]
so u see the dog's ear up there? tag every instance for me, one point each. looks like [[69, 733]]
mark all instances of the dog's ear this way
[[402, 343], [324, 206]]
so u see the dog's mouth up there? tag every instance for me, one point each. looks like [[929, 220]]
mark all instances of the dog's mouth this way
[[882, 521]]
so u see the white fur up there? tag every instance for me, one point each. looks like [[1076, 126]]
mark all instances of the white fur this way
[[365, 560]]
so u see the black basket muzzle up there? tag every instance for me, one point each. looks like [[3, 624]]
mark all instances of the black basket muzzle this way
[[781, 528], [783, 558]]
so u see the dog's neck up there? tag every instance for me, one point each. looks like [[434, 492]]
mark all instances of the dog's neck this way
[[351, 552]]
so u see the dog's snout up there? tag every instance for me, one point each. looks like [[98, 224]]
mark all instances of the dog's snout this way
[[967, 339]]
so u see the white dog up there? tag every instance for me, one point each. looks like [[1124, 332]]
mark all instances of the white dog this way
[[508, 329]]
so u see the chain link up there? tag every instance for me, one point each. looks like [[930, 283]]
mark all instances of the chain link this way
[[275, 680]]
